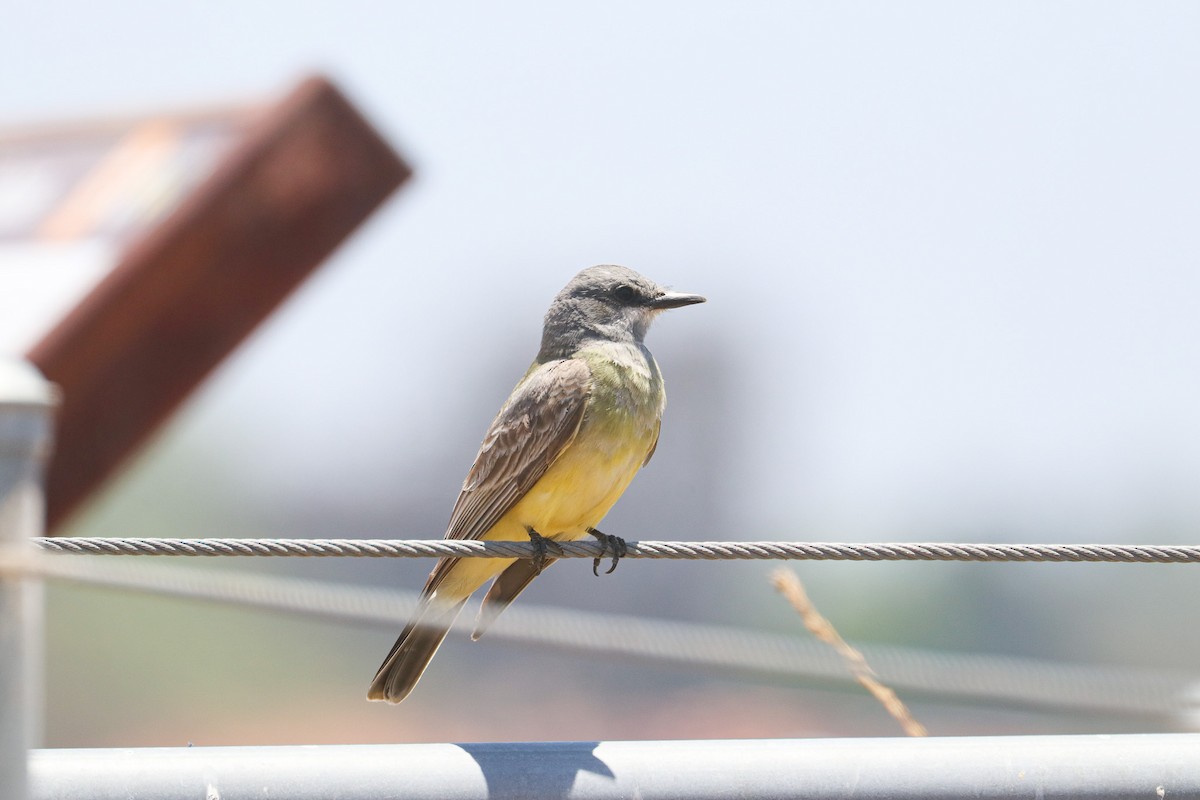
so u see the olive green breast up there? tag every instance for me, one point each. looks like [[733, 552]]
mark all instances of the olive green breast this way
[[627, 396]]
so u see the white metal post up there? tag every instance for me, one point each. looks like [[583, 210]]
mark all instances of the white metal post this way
[[26, 405]]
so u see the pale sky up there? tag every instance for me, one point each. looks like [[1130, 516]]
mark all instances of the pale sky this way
[[950, 249]]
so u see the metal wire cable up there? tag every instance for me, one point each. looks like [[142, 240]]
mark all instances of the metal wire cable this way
[[709, 551], [1013, 681]]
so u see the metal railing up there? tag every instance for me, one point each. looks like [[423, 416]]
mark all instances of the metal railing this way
[[1155, 766]]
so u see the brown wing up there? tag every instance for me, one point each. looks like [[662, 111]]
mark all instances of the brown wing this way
[[536, 424], [654, 444]]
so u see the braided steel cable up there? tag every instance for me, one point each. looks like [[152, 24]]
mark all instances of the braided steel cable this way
[[707, 551]]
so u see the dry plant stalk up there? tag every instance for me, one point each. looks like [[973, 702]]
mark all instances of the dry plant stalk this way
[[787, 583]]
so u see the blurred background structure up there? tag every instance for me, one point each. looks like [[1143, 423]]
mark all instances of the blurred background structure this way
[[950, 254]]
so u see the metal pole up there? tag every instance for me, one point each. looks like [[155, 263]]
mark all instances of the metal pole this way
[[1143, 766], [26, 404]]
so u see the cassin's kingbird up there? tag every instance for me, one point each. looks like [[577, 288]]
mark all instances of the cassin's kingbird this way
[[564, 447]]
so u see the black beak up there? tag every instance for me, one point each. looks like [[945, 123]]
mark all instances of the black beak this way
[[674, 300]]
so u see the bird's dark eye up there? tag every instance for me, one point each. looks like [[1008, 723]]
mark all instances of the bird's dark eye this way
[[624, 293]]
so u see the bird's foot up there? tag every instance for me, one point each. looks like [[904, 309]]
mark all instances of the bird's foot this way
[[542, 547], [608, 543]]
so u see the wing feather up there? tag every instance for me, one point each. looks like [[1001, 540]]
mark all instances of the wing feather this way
[[654, 444], [533, 428]]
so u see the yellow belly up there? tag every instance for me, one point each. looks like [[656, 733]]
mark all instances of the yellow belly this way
[[617, 433], [577, 491], [574, 495]]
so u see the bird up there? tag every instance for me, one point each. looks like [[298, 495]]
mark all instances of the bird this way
[[577, 428]]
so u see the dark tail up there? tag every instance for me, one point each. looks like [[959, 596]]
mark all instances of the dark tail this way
[[504, 590], [412, 652]]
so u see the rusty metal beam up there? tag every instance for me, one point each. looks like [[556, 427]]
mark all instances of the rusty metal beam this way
[[183, 296]]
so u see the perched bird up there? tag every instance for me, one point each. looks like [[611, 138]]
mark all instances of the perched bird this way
[[562, 450]]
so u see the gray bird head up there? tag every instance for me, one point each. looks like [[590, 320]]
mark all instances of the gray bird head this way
[[608, 303]]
